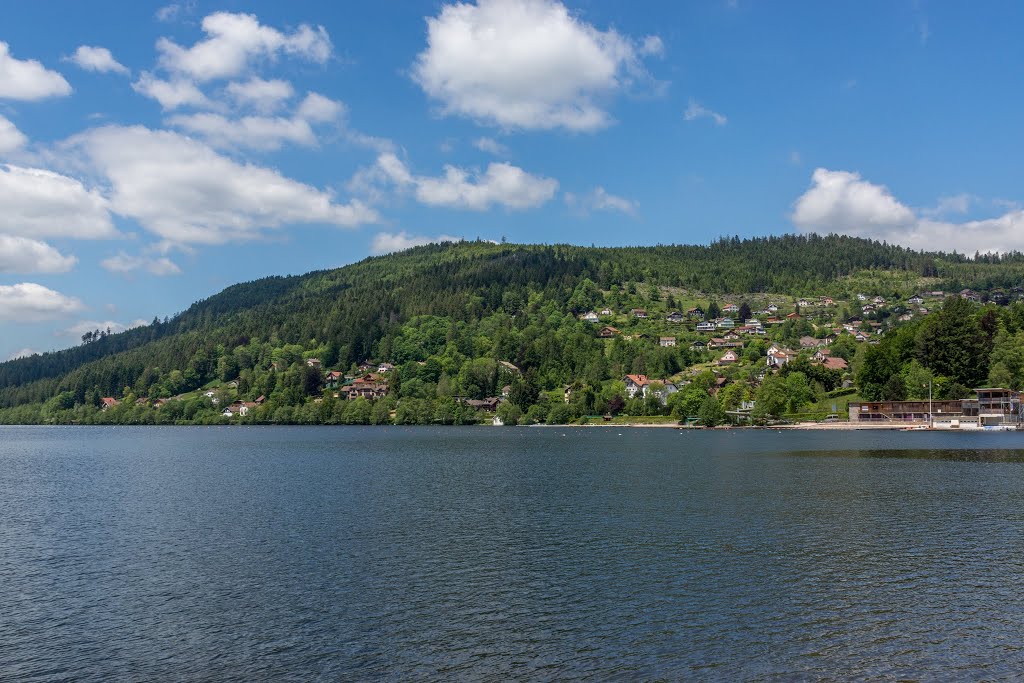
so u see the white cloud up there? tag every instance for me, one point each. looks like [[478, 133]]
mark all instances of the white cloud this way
[[30, 302], [653, 46], [39, 203], [171, 12], [600, 199], [125, 264], [842, 202], [97, 59], [10, 137], [387, 242], [28, 79], [171, 94], [959, 203], [491, 146], [262, 95], [501, 184], [316, 107], [698, 111], [526, 64], [24, 255], [253, 132], [235, 40], [183, 191], [23, 353], [83, 326]]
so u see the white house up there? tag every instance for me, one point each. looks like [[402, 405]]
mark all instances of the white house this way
[[666, 341]]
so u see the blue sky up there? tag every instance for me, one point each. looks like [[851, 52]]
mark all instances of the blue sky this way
[[151, 155]]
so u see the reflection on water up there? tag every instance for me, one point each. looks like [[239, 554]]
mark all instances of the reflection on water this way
[[434, 553]]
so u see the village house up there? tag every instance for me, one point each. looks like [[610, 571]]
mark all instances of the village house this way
[[333, 379], [641, 384], [370, 386], [970, 295], [723, 343], [803, 303], [792, 316], [505, 366], [772, 308], [313, 363], [635, 384], [607, 332], [488, 405], [385, 367], [822, 354], [638, 313], [696, 313], [590, 317], [666, 341], [868, 308], [728, 358], [862, 297], [826, 300], [698, 346], [917, 299], [675, 317], [879, 300], [835, 364], [108, 402], [809, 342], [706, 327], [730, 308], [726, 323]]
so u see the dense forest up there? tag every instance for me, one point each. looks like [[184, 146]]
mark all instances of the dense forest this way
[[463, 322]]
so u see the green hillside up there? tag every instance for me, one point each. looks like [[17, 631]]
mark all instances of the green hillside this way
[[448, 316]]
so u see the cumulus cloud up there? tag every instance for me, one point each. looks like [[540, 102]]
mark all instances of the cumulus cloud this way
[[501, 184], [316, 107], [28, 79], [253, 132], [39, 203], [387, 242], [97, 59], [234, 41], [23, 255], [185, 192], [491, 146], [264, 96], [526, 64], [843, 202], [31, 302], [126, 264], [697, 111], [171, 94], [10, 137], [600, 199], [83, 326]]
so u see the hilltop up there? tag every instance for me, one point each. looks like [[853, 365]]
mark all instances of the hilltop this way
[[436, 333]]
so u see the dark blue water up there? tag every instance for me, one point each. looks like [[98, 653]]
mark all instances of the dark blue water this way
[[477, 553]]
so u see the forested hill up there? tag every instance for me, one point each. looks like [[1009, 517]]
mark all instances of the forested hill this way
[[353, 309]]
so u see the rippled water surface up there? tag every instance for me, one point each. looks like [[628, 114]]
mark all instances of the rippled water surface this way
[[496, 554]]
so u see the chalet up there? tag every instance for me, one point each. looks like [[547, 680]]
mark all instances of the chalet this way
[[879, 300], [970, 295], [607, 312], [723, 343], [638, 313], [938, 293], [675, 317], [635, 384], [240, 408], [753, 322], [488, 405], [333, 378], [809, 342], [666, 341], [607, 332], [698, 346], [772, 308], [385, 367], [506, 391], [803, 303], [696, 313], [313, 363], [729, 358], [726, 323], [367, 366], [107, 402], [730, 308], [826, 301], [590, 317], [822, 354], [906, 317], [861, 337], [916, 300], [835, 364], [792, 316], [868, 308], [706, 327], [773, 321], [370, 386], [260, 400], [778, 359]]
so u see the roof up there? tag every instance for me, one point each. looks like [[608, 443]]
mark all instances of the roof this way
[[639, 380], [834, 363]]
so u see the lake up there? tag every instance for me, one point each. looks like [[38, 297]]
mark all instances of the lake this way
[[349, 553]]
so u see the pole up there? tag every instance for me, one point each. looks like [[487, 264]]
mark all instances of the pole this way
[[930, 422]]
